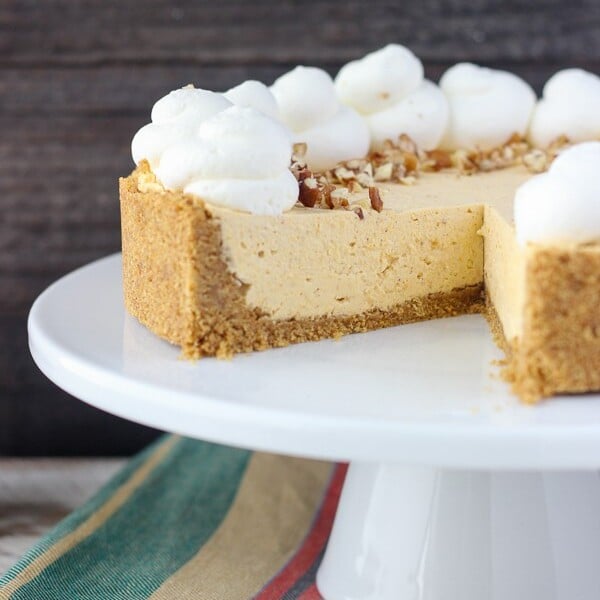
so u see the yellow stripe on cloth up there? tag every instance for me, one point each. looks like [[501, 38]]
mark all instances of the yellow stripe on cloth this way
[[270, 516], [95, 520]]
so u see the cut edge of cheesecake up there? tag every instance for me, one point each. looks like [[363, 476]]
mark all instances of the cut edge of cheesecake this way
[[179, 285]]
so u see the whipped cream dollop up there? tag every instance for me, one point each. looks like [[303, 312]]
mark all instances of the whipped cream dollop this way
[[228, 155], [238, 158], [487, 106], [254, 94], [569, 106], [563, 204], [309, 107], [389, 89], [175, 117]]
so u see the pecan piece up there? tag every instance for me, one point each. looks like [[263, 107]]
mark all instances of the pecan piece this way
[[308, 191], [411, 161], [441, 159], [339, 197], [326, 195], [303, 173], [359, 212], [375, 198]]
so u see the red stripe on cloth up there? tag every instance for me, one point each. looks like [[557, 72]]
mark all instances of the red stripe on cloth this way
[[313, 543], [312, 593]]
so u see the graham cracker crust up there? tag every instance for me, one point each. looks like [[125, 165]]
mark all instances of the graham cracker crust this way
[[177, 284], [559, 351]]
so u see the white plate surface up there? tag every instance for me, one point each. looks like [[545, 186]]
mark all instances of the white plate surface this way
[[426, 393]]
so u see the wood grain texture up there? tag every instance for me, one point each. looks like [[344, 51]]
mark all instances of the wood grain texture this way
[[36, 494], [77, 79], [286, 32]]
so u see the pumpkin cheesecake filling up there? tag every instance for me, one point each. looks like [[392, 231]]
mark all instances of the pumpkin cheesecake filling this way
[[425, 241]]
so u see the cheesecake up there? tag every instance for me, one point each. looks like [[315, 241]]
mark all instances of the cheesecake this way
[[219, 282], [228, 249]]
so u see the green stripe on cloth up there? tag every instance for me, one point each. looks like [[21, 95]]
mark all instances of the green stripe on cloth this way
[[274, 508], [159, 528], [77, 518]]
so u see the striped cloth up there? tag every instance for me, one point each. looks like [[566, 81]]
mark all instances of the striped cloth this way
[[189, 520]]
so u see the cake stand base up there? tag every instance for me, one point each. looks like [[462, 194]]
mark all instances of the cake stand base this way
[[420, 533], [514, 514]]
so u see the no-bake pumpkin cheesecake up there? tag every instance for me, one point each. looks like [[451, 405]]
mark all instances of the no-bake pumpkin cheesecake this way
[[228, 249]]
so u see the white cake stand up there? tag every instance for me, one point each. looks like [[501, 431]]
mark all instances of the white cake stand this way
[[454, 492]]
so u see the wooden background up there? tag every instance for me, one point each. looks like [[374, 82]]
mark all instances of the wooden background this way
[[78, 78]]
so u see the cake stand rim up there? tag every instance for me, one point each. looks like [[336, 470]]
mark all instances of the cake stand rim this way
[[472, 446]]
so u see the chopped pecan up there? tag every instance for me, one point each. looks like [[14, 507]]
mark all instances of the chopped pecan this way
[[536, 161], [441, 159], [339, 197], [375, 198], [359, 211], [304, 173], [401, 161], [411, 161], [308, 192], [407, 144], [344, 174], [326, 195], [384, 172]]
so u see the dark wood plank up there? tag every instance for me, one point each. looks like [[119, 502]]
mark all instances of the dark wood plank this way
[[131, 90], [111, 90], [59, 199], [93, 32]]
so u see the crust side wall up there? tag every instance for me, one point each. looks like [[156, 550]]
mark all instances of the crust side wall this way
[[559, 351], [156, 236]]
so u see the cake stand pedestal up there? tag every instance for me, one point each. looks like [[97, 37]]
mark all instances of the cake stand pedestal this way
[[454, 491], [405, 532]]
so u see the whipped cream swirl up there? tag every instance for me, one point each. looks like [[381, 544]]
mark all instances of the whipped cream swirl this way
[[487, 106], [254, 94], [563, 204], [175, 117], [239, 158], [388, 88], [569, 106], [227, 155], [310, 108]]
